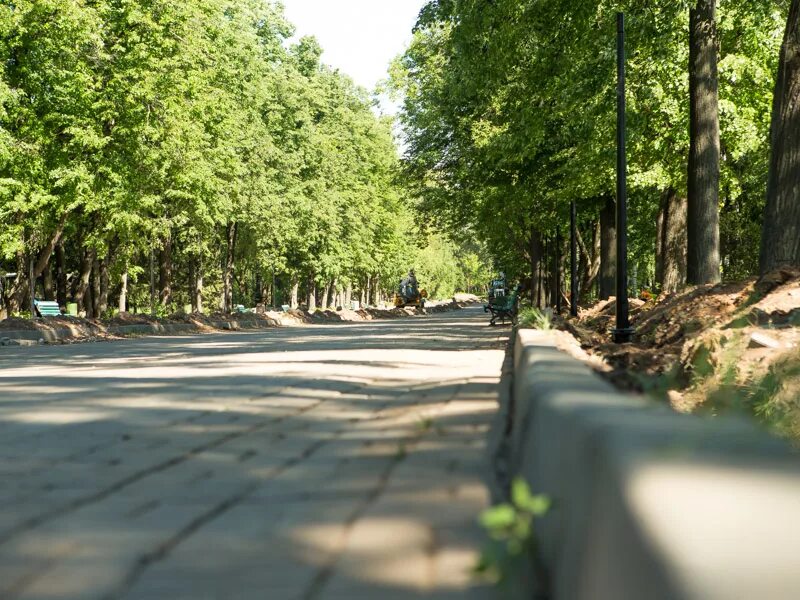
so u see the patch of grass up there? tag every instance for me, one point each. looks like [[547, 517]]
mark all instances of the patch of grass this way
[[775, 398], [726, 385], [533, 318]]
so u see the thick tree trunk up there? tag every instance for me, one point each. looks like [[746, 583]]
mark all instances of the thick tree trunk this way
[[552, 266], [324, 301], [780, 239], [18, 289], [348, 294], [61, 275], [226, 303], [102, 302], [82, 298], [259, 292], [122, 305], [608, 249], [311, 297], [535, 251], [334, 301], [671, 242], [165, 272], [95, 287], [703, 204], [48, 283]]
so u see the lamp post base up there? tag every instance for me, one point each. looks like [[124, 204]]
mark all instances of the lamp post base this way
[[622, 336]]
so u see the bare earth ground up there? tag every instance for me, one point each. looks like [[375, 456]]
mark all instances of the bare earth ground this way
[[80, 329], [728, 347], [323, 461]]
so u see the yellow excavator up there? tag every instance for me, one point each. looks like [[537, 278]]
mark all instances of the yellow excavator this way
[[409, 294]]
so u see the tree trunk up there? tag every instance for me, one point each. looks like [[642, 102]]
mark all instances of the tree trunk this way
[[20, 287], [671, 242], [102, 302], [324, 300], [227, 274], [348, 294], [61, 275], [197, 297], [260, 292], [660, 218], [312, 294], [704, 153], [368, 290], [608, 249], [95, 287], [81, 297], [589, 262], [535, 251], [295, 289], [165, 272], [332, 294], [48, 283], [376, 285], [123, 292], [780, 239]]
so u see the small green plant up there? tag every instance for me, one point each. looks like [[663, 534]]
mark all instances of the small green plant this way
[[401, 451], [533, 318], [513, 550]]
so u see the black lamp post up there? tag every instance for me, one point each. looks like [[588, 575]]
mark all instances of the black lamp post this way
[[623, 332]]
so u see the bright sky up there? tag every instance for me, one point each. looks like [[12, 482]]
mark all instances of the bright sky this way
[[359, 37]]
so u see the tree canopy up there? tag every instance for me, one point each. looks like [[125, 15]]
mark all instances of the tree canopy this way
[[197, 132], [509, 116]]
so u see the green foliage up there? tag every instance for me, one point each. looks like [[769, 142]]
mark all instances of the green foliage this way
[[513, 550], [533, 318], [130, 126], [509, 116]]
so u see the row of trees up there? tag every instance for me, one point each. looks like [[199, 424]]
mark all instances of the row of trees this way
[[188, 141], [510, 116]]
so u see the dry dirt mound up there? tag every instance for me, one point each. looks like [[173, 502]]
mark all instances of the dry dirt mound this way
[[72, 329], [17, 324], [707, 345]]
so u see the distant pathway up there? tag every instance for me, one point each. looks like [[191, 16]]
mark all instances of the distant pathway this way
[[340, 461]]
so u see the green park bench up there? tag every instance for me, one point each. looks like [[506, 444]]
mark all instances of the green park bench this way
[[47, 308], [504, 307]]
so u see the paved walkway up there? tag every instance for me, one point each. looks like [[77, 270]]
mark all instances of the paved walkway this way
[[342, 461]]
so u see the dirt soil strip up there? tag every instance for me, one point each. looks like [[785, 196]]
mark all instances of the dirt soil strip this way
[[65, 329]]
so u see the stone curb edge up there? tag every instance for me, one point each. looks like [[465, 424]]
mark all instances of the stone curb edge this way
[[649, 503]]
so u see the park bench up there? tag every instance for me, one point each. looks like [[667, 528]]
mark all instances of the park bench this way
[[47, 308], [504, 307]]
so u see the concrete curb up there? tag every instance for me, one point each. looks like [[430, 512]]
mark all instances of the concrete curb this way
[[649, 503]]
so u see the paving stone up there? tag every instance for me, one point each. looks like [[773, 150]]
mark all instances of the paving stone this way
[[339, 461]]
